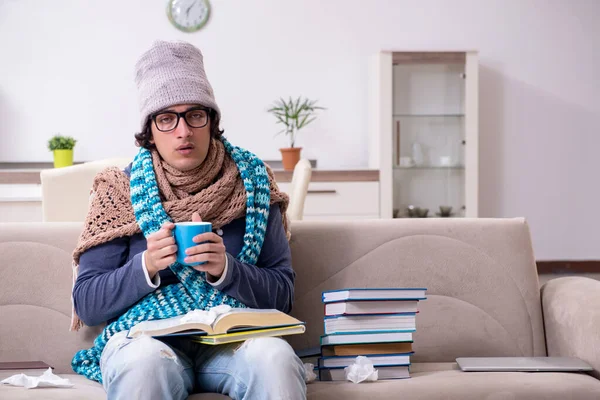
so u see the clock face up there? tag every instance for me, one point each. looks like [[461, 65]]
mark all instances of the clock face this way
[[188, 15]]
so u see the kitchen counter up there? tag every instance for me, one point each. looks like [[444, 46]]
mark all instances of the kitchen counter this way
[[18, 176]]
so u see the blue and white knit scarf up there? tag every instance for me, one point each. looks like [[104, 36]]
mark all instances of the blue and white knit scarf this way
[[192, 292]]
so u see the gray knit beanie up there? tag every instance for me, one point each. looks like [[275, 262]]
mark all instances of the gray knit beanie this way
[[172, 73]]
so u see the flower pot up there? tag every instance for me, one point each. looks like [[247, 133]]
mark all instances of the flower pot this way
[[63, 158], [290, 157]]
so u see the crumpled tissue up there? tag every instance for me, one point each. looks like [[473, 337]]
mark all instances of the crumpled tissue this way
[[47, 379], [361, 370], [309, 373]]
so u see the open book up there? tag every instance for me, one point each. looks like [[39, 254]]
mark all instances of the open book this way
[[240, 336], [216, 321]]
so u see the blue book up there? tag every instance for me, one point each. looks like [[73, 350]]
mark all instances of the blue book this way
[[374, 294]]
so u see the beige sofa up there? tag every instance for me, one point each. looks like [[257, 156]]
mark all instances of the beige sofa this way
[[483, 299]]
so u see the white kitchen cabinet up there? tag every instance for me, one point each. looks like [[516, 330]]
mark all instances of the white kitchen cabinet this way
[[20, 203], [339, 200], [423, 131]]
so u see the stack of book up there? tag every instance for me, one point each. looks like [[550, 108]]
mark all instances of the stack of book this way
[[375, 323]]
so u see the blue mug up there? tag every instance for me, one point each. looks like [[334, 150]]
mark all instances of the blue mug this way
[[184, 233]]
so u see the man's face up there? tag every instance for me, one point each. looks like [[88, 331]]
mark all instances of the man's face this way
[[184, 147]]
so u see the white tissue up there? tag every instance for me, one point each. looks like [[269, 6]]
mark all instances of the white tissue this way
[[309, 372], [47, 379], [205, 316], [361, 370]]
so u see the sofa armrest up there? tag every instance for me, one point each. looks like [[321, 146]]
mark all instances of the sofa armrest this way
[[571, 308]]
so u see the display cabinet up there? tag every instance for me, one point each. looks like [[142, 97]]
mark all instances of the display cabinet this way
[[423, 133]]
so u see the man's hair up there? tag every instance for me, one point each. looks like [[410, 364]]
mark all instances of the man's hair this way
[[143, 138]]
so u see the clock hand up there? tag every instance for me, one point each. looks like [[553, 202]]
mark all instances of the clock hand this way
[[187, 12]]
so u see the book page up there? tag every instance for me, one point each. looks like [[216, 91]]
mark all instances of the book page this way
[[244, 335], [195, 319], [165, 326], [207, 317], [252, 317]]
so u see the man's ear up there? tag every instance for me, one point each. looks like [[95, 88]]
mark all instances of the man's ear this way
[[151, 140], [149, 129]]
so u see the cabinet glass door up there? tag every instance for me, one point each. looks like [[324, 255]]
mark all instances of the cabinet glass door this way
[[428, 138]]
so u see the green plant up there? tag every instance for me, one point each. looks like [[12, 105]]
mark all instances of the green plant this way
[[58, 142], [294, 114]]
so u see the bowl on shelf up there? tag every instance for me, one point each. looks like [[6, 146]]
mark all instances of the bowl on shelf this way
[[445, 211], [417, 212]]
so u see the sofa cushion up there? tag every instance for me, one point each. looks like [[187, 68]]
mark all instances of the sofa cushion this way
[[482, 287], [83, 389], [429, 381], [35, 303], [444, 381]]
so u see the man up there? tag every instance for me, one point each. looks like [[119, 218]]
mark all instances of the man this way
[[126, 257]]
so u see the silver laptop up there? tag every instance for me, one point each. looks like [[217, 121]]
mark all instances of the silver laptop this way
[[528, 364]]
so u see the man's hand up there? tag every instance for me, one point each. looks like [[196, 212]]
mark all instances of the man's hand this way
[[211, 249], [162, 250]]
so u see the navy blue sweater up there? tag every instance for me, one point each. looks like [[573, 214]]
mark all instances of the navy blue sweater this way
[[112, 275]]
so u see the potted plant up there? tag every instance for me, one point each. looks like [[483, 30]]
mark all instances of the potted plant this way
[[294, 114], [62, 147]]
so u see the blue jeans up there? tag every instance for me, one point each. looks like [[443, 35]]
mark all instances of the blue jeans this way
[[175, 367]]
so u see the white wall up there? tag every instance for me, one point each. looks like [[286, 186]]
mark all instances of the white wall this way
[[67, 66]]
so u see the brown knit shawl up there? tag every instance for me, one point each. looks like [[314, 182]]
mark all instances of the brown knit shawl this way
[[214, 189]]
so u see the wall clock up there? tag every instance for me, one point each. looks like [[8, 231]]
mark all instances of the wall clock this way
[[188, 15]]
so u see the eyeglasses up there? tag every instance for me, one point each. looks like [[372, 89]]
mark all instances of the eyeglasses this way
[[168, 120]]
